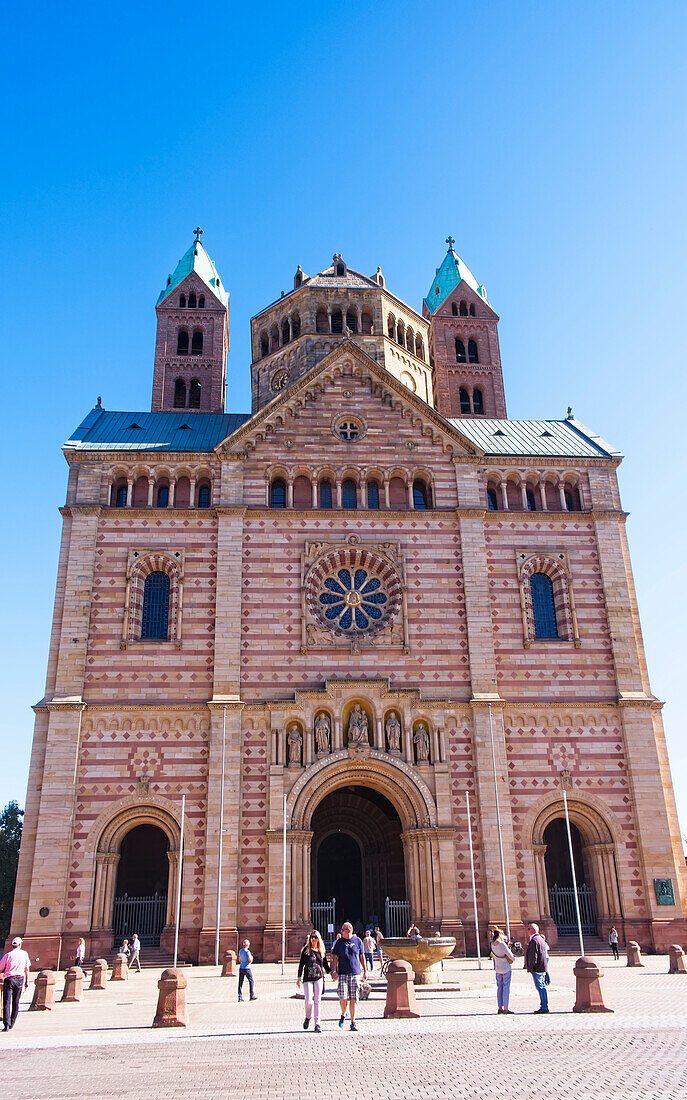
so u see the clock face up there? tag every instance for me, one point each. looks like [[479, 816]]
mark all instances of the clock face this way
[[280, 379]]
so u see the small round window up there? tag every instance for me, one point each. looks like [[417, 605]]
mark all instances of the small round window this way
[[349, 428]]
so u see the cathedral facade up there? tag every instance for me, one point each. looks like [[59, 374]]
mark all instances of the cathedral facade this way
[[334, 627]]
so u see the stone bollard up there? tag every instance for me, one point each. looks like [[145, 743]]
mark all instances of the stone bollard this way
[[43, 991], [229, 964], [99, 974], [677, 960], [120, 971], [73, 984], [171, 1001], [589, 992], [400, 991], [634, 954]]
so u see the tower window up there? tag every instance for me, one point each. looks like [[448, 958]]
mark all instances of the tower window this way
[[179, 394], [543, 606], [420, 494], [285, 335], [348, 430], [454, 309], [351, 320], [572, 498], [182, 342], [391, 326], [182, 301], [201, 302], [194, 394], [155, 616], [473, 357], [264, 345], [460, 351], [419, 348], [296, 326], [349, 493], [163, 496], [373, 494], [325, 494], [464, 400], [204, 496], [472, 310], [278, 493], [322, 320], [197, 343], [119, 494], [191, 301], [463, 309], [477, 401], [531, 502], [340, 271], [337, 321], [492, 500]]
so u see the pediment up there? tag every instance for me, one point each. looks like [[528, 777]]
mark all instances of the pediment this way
[[382, 391], [465, 292], [190, 282]]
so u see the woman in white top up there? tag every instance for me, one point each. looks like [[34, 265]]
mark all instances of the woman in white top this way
[[503, 962]]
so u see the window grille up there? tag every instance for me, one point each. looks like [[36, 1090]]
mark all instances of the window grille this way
[[543, 606]]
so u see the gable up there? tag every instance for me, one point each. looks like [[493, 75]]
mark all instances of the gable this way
[[464, 292], [348, 381], [191, 282]]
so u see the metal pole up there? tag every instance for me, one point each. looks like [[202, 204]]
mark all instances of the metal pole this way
[[574, 876], [498, 825], [180, 869], [221, 829], [283, 894], [474, 889]]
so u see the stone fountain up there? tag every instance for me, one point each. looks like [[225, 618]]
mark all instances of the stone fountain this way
[[424, 955]]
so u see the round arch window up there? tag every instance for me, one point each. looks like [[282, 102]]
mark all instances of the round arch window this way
[[353, 592]]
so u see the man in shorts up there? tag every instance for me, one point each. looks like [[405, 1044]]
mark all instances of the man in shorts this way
[[348, 963]]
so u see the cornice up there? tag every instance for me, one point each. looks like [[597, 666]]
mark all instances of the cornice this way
[[498, 461], [146, 456], [230, 510], [81, 510]]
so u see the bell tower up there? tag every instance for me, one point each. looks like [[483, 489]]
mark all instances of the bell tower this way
[[464, 343], [192, 337]]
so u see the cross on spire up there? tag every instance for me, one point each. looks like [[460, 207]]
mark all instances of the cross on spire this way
[[198, 232], [450, 241]]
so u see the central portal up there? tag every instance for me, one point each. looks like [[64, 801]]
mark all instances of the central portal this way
[[357, 855]]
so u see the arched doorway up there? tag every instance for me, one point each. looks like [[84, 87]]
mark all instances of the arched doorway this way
[[559, 878], [357, 855], [140, 901]]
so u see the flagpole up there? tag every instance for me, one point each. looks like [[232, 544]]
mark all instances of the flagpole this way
[[498, 826], [574, 876], [283, 894], [221, 830], [474, 889], [180, 869]]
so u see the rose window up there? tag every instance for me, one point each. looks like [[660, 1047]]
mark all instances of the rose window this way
[[353, 592]]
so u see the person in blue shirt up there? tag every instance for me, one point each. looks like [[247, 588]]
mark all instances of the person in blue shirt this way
[[348, 963], [245, 961]]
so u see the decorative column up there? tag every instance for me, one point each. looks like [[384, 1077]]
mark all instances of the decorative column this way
[[504, 495], [172, 487], [289, 492], [539, 851], [314, 492], [151, 491], [379, 734], [129, 491], [386, 493], [561, 493], [172, 888], [103, 895], [338, 491], [337, 734], [192, 497]]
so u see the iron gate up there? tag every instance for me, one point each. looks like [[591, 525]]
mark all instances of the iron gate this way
[[322, 915], [562, 908], [146, 916], [397, 917]]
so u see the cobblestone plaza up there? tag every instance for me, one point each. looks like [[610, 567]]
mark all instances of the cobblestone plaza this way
[[459, 1048]]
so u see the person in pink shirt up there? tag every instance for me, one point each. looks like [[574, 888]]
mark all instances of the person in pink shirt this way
[[14, 965]]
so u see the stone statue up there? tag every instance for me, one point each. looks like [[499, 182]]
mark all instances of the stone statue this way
[[357, 727], [421, 739], [295, 741], [322, 732], [393, 733]]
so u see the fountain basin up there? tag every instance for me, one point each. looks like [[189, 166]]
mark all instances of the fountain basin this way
[[424, 955]]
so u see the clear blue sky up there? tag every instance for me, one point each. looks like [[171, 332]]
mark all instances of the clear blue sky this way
[[548, 138]]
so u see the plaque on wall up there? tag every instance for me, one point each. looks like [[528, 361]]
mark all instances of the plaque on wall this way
[[665, 894]]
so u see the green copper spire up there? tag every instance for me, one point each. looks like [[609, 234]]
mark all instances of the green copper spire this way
[[451, 272], [196, 259]]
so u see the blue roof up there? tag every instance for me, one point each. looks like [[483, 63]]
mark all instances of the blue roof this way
[[447, 277], [153, 431], [196, 259], [568, 438]]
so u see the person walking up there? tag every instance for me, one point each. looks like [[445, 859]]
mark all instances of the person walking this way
[[348, 961], [80, 955], [311, 970], [535, 964], [125, 949], [14, 965], [503, 964], [369, 945], [380, 939], [245, 964], [613, 941], [135, 953]]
